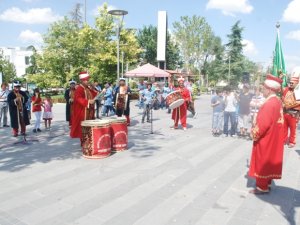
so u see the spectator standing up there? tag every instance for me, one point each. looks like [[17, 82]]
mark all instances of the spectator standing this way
[[217, 102], [3, 104], [37, 109], [108, 99], [147, 96], [244, 111], [48, 116], [230, 113], [256, 102]]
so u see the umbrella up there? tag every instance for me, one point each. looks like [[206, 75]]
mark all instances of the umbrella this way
[[147, 70]]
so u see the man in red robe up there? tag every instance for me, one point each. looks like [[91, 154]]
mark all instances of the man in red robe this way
[[268, 141], [83, 105], [180, 113], [291, 112]]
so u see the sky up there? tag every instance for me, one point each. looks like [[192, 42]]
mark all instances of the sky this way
[[23, 22]]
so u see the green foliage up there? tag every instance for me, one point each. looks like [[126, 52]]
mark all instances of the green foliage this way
[[71, 47], [235, 52], [194, 37], [8, 69], [147, 39]]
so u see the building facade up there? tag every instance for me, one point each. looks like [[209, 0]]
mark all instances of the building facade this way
[[18, 56]]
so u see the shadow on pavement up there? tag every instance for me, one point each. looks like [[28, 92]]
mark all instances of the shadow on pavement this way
[[286, 198], [43, 147]]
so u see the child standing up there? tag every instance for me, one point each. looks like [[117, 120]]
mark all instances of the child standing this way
[[37, 109], [47, 116]]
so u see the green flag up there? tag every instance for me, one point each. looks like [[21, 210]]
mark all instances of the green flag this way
[[278, 60]]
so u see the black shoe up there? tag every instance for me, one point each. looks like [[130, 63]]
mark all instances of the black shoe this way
[[34, 131], [143, 121], [39, 130], [148, 121], [15, 135], [23, 134], [5, 126]]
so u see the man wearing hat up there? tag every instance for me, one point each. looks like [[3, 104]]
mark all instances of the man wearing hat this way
[[122, 100], [147, 97], [180, 113], [69, 97], [83, 105], [268, 141], [16, 100], [291, 112]]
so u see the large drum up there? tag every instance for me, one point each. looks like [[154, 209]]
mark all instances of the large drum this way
[[96, 139], [174, 99], [119, 133]]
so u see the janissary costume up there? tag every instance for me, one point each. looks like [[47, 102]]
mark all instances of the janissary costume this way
[[122, 100], [17, 109], [83, 105], [291, 112], [69, 97], [180, 113], [267, 133]]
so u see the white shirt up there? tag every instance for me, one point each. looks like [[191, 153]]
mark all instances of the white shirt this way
[[230, 103]]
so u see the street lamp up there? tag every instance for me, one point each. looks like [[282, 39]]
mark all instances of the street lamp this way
[[122, 13]]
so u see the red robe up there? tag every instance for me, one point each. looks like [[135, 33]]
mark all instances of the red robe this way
[[267, 151], [82, 110], [180, 113]]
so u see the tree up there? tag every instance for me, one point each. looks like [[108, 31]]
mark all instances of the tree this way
[[76, 15], [235, 53], [7, 68], [194, 37], [147, 39]]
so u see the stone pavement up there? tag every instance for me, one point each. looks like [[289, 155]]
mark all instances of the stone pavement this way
[[169, 177]]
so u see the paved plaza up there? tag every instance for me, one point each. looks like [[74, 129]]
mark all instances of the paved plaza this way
[[171, 177]]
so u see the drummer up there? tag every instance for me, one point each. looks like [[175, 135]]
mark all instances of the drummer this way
[[83, 105], [122, 100], [180, 113]]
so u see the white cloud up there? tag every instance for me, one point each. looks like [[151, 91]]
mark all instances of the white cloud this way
[[249, 48], [28, 36], [32, 16], [291, 61], [291, 13], [294, 35], [96, 10], [230, 7]]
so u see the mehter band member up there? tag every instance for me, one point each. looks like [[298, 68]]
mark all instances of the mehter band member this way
[[268, 140], [122, 100], [84, 105], [69, 97], [17, 109]]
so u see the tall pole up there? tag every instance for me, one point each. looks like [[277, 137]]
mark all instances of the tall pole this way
[[229, 71], [118, 51], [122, 64], [85, 11]]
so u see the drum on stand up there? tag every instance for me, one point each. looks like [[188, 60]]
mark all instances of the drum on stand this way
[[174, 99], [119, 134], [96, 139]]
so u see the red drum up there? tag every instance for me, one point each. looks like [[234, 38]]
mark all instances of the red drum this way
[[174, 99], [119, 134], [96, 139]]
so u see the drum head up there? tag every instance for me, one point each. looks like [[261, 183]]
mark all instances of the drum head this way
[[176, 104], [118, 120], [94, 123], [171, 93]]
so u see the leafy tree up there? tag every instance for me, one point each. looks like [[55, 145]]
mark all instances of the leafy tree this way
[[8, 69], [147, 38], [235, 52], [194, 37]]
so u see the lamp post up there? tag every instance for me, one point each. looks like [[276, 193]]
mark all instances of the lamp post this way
[[121, 13]]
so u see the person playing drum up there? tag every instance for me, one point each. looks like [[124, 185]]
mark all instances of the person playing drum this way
[[180, 113], [122, 100], [83, 105]]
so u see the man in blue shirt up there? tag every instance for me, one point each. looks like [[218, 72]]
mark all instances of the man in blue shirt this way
[[147, 96], [217, 102]]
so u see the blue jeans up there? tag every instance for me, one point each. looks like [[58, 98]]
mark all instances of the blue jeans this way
[[217, 121], [232, 117]]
